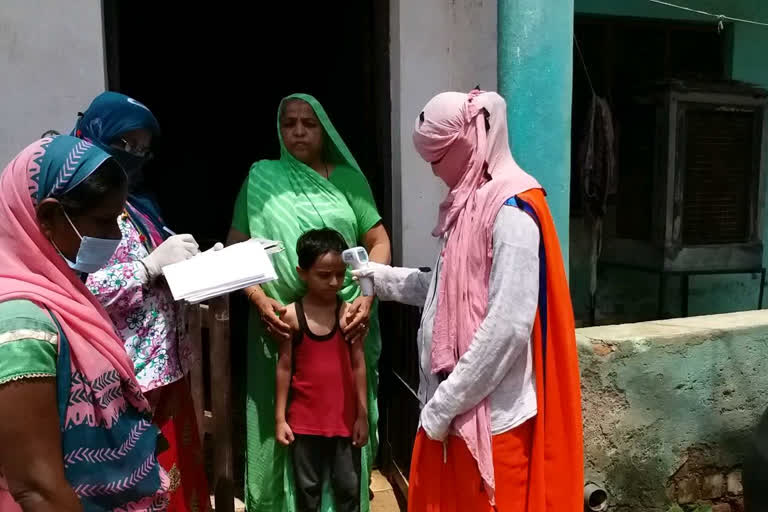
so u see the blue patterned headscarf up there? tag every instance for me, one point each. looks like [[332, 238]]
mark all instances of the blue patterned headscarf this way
[[110, 115], [66, 163]]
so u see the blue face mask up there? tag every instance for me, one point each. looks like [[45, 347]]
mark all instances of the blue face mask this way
[[93, 254]]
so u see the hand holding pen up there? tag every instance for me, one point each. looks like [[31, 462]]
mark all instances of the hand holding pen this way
[[173, 250]]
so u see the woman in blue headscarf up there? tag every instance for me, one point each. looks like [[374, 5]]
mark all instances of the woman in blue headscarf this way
[[139, 302]]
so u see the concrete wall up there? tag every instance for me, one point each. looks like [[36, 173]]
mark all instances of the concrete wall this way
[[629, 296], [669, 406], [52, 62], [436, 45]]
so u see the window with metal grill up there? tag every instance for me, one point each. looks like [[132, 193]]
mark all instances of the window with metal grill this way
[[718, 172]]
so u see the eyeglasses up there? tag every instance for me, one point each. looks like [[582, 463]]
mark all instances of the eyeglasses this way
[[142, 151]]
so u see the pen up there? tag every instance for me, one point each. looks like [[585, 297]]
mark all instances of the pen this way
[[169, 231]]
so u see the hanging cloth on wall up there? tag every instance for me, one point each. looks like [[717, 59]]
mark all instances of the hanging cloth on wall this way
[[597, 157], [596, 165]]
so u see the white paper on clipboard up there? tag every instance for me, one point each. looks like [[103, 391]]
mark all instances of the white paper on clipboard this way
[[216, 273]]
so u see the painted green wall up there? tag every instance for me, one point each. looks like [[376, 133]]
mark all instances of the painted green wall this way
[[626, 296], [535, 54]]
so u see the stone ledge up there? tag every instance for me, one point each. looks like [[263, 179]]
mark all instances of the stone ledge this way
[[689, 330]]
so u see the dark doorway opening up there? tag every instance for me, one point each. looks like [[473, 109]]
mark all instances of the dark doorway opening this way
[[214, 74]]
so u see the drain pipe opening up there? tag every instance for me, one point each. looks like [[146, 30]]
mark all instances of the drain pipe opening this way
[[595, 498]]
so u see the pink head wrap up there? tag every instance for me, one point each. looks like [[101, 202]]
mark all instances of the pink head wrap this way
[[465, 138], [32, 269]]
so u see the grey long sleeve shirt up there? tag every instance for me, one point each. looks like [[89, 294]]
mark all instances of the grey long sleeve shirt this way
[[499, 362]]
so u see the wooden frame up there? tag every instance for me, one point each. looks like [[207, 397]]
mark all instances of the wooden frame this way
[[110, 30], [216, 421], [399, 384]]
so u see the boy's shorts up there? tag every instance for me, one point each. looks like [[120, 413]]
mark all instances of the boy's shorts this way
[[314, 457]]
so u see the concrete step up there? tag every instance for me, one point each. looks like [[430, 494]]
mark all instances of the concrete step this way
[[384, 497]]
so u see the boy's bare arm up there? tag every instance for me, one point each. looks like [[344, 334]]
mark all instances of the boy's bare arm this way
[[361, 382], [360, 434], [357, 355]]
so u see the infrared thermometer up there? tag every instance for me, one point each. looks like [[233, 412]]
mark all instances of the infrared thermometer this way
[[357, 258]]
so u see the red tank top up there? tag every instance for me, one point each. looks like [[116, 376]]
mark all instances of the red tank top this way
[[322, 399]]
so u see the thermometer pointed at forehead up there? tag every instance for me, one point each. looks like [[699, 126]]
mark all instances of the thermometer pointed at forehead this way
[[355, 257]]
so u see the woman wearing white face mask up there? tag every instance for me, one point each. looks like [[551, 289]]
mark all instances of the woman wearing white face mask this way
[[68, 396]]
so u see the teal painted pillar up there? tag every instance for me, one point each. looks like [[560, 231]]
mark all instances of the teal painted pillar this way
[[535, 66]]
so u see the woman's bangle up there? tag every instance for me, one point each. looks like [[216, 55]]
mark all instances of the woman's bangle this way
[[250, 294]]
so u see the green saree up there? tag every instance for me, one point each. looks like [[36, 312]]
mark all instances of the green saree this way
[[280, 200]]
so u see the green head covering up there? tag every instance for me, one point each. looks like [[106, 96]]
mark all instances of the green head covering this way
[[336, 151], [286, 198]]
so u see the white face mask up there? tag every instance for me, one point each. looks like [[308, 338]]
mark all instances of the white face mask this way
[[93, 254]]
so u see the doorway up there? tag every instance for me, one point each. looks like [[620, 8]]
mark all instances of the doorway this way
[[214, 77], [214, 74]]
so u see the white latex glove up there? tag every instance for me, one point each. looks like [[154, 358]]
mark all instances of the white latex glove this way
[[373, 271], [398, 284], [177, 248], [436, 427], [216, 247]]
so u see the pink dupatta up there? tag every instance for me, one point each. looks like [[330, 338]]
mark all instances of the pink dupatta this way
[[32, 269], [477, 165]]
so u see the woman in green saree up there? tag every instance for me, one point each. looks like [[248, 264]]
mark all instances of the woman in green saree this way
[[316, 183]]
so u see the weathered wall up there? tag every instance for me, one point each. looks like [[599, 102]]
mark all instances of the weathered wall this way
[[436, 45], [52, 62], [631, 296], [669, 405]]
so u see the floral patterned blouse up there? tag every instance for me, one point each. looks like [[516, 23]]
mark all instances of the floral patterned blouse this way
[[144, 312]]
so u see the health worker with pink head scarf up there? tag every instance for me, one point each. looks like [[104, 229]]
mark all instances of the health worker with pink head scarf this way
[[76, 432], [501, 408]]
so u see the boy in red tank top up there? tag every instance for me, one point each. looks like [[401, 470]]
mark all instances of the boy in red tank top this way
[[325, 421]]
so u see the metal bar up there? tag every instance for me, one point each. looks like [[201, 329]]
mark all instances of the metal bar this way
[[717, 272], [406, 386], [762, 289], [221, 398], [639, 268]]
